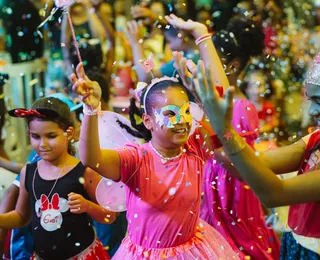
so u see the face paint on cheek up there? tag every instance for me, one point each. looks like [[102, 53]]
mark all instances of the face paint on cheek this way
[[174, 115]]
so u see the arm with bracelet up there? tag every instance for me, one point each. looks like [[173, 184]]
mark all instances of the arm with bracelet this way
[[267, 186], [207, 50], [105, 162]]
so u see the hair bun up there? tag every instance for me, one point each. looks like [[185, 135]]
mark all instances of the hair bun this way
[[249, 35]]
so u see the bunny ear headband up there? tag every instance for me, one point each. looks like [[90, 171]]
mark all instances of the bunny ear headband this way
[[147, 66], [313, 74]]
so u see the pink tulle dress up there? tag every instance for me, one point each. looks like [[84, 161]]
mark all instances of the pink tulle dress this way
[[230, 206], [163, 205]]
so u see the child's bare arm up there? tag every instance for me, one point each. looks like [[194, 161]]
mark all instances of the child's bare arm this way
[[21, 216]]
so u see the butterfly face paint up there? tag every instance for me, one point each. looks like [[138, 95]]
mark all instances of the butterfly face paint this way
[[170, 115]]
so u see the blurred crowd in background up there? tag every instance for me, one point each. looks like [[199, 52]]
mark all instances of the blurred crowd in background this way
[[273, 81]]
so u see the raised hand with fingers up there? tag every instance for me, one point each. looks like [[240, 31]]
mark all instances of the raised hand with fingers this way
[[195, 28], [77, 203], [143, 14], [87, 4], [219, 110], [89, 91], [133, 31], [187, 71]]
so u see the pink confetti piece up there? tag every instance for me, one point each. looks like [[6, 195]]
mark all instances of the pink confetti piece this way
[[147, 64], [227, 136], [63, 3]]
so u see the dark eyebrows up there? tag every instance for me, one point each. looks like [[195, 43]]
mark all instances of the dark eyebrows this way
[[51, 133]]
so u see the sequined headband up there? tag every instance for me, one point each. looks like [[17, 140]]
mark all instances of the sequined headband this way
[[154, 82], [313, 74]]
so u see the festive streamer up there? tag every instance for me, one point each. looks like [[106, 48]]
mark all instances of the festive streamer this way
[[74, 36], [61, 4], [53, 11]]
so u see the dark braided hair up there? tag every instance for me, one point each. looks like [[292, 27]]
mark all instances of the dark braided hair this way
[[241, 40], [157, 89]]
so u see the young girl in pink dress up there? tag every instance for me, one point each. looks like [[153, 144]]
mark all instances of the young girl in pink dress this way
[[163, 177], [228, 203]]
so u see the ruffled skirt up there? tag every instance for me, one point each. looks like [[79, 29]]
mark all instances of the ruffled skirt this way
[[206, 244], [95, 251]]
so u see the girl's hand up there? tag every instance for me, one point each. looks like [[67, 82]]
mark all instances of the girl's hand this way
[[143, 14], [192, 27], [77, 203], [133, 31], [187, 71], [218, 110], [89, 91], [87, 4]]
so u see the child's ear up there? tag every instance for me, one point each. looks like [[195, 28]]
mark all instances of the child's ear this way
[[70, 132], [147, 122]]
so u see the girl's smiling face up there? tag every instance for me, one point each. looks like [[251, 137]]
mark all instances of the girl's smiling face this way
[[170, 127]]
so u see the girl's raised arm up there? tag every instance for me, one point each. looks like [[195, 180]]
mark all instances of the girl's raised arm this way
[[207, 50], [269, 188], [105, 162]]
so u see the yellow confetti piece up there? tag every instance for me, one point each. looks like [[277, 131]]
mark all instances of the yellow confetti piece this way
[[146, 254], [106, 220], [246, 187], [97, 165]]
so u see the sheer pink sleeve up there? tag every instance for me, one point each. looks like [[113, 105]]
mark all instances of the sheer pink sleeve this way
[[245, 120], [129, 161]]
